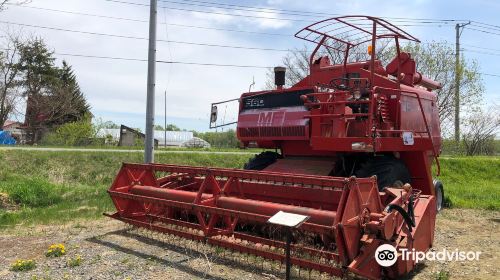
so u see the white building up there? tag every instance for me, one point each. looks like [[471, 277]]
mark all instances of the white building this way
[[174, 138]]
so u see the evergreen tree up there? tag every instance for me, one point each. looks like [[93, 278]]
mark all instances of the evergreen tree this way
[[53, 94]]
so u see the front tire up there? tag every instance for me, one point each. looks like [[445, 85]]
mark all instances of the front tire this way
[[389, 170], [439, 193], [262, 160]]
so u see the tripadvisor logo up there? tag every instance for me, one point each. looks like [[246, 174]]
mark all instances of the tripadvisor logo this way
[[386, 255]]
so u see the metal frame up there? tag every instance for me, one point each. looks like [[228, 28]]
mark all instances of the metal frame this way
[[381, 29], [214, 124], [217, 200]]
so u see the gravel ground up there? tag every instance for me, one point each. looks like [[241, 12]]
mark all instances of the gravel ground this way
[[112, 250]]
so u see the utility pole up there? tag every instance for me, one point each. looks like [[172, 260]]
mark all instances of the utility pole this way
[[457, 78], [165, 120], [150, 103]]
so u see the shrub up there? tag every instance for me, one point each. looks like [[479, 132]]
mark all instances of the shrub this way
[[76, 261], [56, 250], [71, 134], [226, 139], [23, 265], [32, 192]]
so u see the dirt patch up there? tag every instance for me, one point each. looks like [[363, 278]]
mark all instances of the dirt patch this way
[[466, 230], [112, 250]]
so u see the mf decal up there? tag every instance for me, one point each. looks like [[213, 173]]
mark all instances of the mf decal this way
[[271, 119]]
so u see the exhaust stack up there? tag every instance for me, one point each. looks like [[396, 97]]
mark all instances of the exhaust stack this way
[[279, 76]]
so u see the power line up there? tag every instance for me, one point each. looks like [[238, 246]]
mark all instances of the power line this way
[[79, 13], [145, 21], [191, 63], [185, 62], [396, 19], [481, 52], [172, 24], [314, 13], [212, 12], [482, 48], [291, 12], [484, 31], [102, 57], [261, 9], [493, 75], [427, 23], [161, 61], [307, 13], [281, 11], [144, 38], [486, 25], [173, 41]]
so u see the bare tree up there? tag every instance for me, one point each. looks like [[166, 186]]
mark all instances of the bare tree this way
[[297, 60], [9, 74], [436, 61], [480, 130], [4, 3]]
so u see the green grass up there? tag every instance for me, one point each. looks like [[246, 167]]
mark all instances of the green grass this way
[[136, 148], [472, 182], [57, 187]]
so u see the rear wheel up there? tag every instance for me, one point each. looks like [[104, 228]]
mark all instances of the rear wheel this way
[[262, 160], [439, 193], [389, 170]]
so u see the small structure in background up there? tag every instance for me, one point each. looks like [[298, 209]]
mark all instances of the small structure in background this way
[[111, 136], [174, 138], [132, 137], [15, 129], [196, 142]]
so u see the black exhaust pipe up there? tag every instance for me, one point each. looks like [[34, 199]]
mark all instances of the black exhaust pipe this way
[[279, 76]]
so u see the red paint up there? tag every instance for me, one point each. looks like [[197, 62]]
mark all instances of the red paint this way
[[313, 123]]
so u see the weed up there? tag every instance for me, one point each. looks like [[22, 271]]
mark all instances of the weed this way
[[76, 261], [23, 265], [442, 275], [56, 250], [219, 250]]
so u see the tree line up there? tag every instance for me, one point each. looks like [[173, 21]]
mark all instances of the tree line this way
[[50, 92]]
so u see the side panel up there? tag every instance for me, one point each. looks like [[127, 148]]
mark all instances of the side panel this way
[[285, 123], [412, 120]]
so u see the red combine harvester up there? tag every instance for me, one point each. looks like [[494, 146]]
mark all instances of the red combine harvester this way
[[356, 142]]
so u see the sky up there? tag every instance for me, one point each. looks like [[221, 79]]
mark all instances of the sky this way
[[116, 89]]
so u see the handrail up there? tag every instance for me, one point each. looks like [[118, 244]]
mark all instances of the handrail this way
[[423, 116]]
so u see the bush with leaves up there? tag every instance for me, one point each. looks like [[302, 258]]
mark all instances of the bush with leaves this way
[[225, 139], [72, 134], [23, 265]]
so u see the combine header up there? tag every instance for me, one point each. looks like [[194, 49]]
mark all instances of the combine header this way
[[356, 142]]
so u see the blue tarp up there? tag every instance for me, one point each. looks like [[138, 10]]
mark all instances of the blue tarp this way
[[6, 138]]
